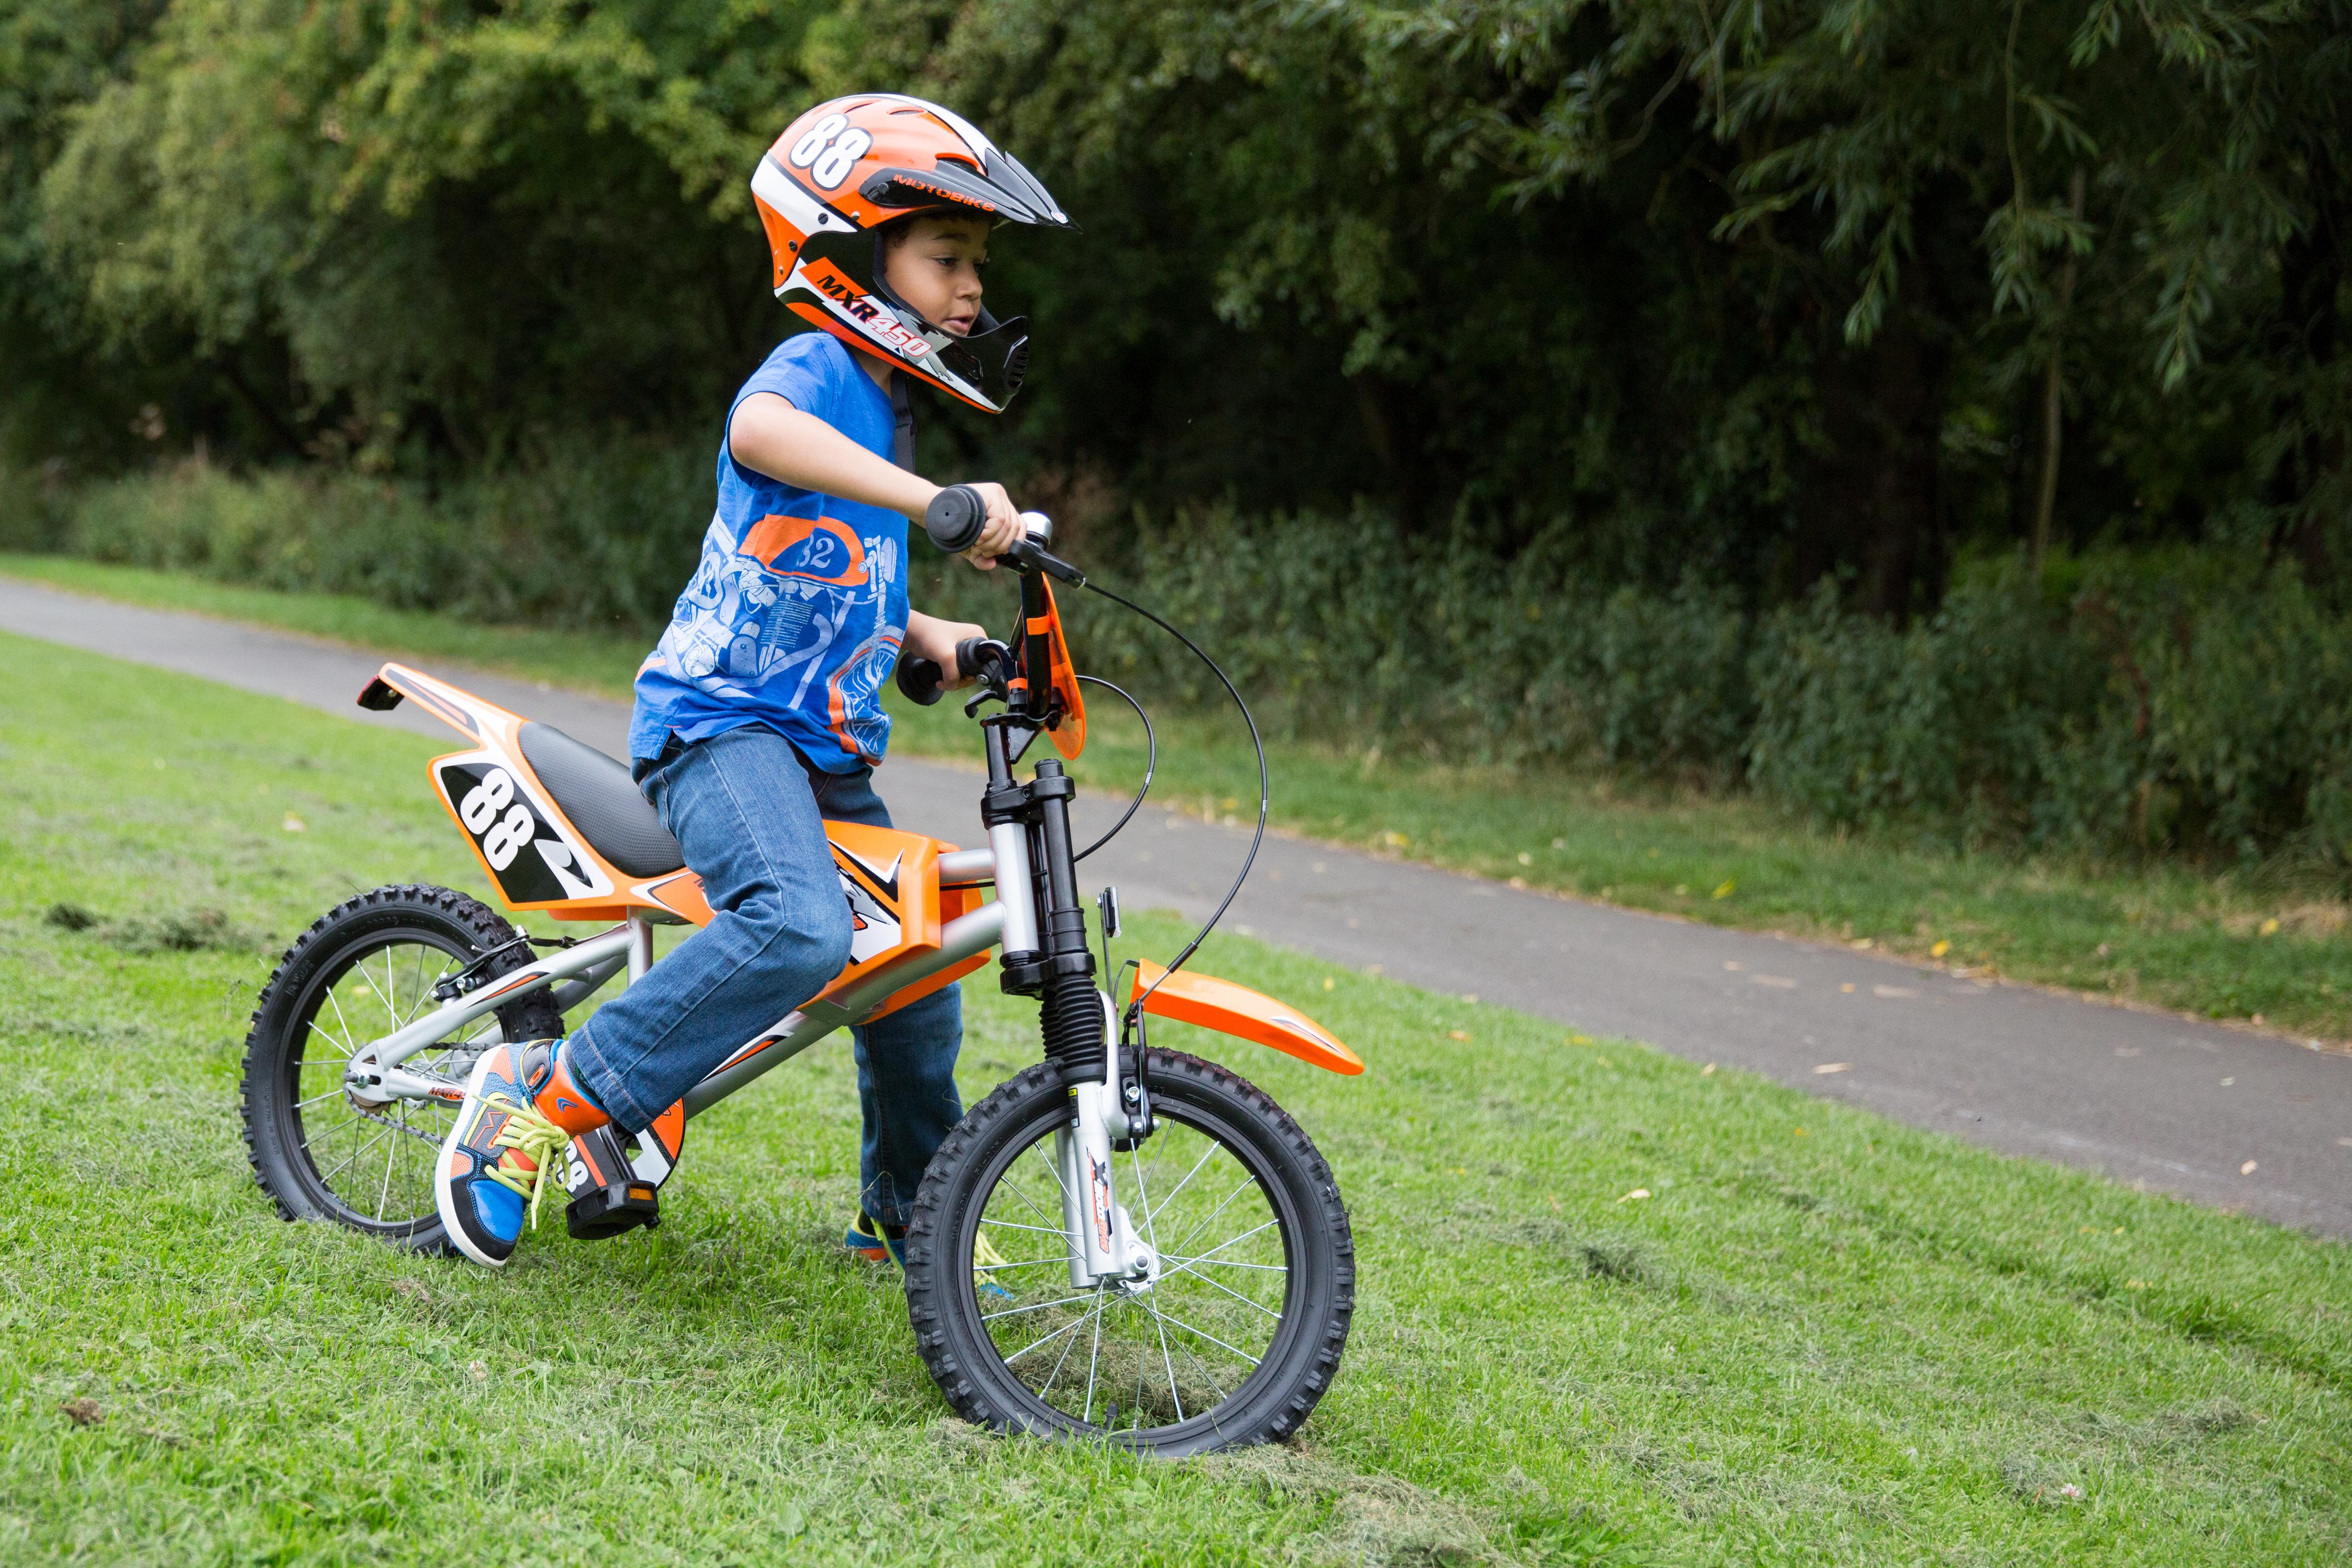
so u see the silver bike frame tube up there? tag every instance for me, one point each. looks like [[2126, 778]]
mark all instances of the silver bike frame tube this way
[[641, 945], [377, 1065], [962, 937], [383, 1056], [967, 868]]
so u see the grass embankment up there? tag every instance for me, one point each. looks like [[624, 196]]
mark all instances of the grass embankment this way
[[1820, 1337], [2162, 934]]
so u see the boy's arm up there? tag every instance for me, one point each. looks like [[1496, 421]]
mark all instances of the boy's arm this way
[[784, 443]]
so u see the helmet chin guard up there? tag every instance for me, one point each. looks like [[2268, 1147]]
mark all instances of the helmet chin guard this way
[[847, 167]]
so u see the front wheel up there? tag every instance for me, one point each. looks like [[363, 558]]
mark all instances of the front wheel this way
[[1232, 1341]]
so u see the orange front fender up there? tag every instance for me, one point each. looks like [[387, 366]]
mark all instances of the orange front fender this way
[[1190, 998]]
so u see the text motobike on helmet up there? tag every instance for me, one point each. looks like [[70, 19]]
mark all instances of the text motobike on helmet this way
[[848, 167]]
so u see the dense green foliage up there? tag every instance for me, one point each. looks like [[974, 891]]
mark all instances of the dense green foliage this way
[[1793, 289], [1521, 368]]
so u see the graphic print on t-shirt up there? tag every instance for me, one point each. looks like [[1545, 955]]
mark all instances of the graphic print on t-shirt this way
[[798, 605], [797, 601]]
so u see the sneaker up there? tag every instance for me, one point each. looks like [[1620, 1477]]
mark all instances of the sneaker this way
[[887, 1244], [520, 1115], [985, 1262], [874, 1243]]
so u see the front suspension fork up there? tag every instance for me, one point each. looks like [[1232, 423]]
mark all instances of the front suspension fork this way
[[1106, 1250], [1059, 970]]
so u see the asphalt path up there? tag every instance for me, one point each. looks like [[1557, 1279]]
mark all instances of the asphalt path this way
[[2227, 1117]]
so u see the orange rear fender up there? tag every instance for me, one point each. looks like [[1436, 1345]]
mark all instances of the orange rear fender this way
[[1190, 997]]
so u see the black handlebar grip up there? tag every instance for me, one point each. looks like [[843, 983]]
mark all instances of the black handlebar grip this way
[[955, 517], [920, 679], [967, 656]]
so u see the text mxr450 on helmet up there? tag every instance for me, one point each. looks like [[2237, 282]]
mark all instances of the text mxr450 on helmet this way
[[846, 168]]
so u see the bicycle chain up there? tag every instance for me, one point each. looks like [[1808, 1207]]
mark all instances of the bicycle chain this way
[[395, 1126]]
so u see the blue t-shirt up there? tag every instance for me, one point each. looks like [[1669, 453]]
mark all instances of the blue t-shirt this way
[[797, 609]]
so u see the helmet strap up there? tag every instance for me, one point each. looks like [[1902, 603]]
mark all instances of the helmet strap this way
[[902, 403]]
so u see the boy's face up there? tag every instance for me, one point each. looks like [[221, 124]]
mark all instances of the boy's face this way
[[936, 270]]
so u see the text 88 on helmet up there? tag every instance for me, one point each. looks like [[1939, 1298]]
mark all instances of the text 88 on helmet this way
[[845, 168]]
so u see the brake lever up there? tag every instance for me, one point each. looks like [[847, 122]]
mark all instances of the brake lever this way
[[1025, 556], [985, 660]]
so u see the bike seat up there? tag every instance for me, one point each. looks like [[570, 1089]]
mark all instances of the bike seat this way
[[602, 800]]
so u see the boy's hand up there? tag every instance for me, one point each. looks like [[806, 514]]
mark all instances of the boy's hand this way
[[936, 640], [999, 532]]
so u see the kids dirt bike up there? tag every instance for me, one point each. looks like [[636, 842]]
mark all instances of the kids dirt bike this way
[[1121, 1242]]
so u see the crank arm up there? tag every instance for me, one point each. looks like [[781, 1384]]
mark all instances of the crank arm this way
[[373, 1070]]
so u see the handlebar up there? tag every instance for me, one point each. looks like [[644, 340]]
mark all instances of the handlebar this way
[[954, 519], [922, 681]]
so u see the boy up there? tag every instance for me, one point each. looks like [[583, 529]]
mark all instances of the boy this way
[[757, 714]]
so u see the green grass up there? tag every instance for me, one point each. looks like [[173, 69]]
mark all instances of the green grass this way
[[2228, 946], [1820, 1338]]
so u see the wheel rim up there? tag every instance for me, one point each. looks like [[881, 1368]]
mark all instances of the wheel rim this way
[[1147, 1364], [371, 1164]]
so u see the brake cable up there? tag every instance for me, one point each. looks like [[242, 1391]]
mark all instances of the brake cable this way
[[1264, 788], [1151, 764]]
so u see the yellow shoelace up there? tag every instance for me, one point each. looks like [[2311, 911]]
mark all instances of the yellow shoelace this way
[[985, 1259], [539, 1140]]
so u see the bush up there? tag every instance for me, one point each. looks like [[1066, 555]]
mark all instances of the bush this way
[[2172, 701], [1343, 627], [32, 517], [598, 536]]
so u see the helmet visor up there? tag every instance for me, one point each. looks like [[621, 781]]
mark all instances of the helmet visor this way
[[991, 362]]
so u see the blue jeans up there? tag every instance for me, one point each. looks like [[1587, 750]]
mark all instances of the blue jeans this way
[[750, 815]]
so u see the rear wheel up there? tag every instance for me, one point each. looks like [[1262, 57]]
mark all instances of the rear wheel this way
[[366, 968], [1232, 1341]]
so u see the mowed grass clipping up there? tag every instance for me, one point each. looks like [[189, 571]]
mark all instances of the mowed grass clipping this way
[[1613, 1308], [2259, 944]]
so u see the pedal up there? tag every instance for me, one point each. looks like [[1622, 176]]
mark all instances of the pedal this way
[[615, 1180], [601, 1211]]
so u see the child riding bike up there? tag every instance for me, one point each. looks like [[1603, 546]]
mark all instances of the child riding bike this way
[[758, 713]]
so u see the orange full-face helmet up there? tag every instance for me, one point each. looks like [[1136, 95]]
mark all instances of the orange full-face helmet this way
[[847, 167]]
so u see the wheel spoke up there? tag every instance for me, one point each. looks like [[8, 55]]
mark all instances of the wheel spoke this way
[[1042, 1230], [1206, 1155], [1058, 1361], [1228, 1289], [1241, 1237], [349, 1044], [1206, 1370], [348, 1049], [1094, 1360], [391, 1153], [391, 1003], [365, 1148], [1159, 1324], [310, 1138], [1247, 1182], [1025, 1262], [1179, 1322], [1034, 1206], [1059, 1185], [1066, 1328], [1038, 1307]]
